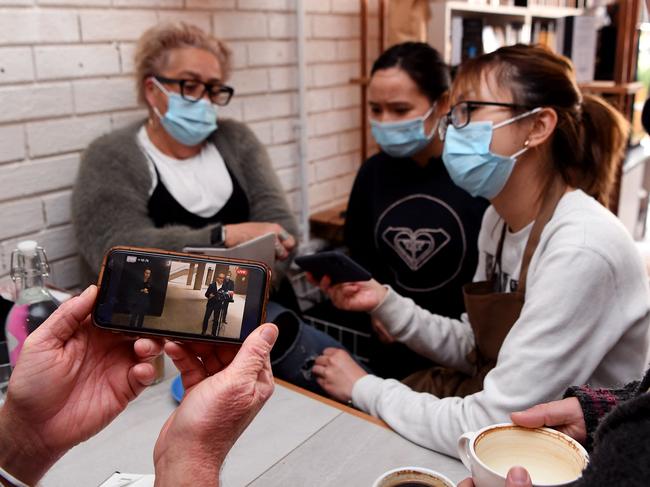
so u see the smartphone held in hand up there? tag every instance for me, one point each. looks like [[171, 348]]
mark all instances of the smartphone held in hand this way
[[338, 266], [181, 296]]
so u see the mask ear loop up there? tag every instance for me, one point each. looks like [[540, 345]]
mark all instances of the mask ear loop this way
[[521, 151], [435, 126], [158, 85], [518, 117]]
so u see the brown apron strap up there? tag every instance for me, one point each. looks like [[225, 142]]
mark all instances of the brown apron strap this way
[[497, 258], [552, 197]]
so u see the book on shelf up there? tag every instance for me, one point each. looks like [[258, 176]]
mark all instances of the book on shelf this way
[[473, 36], [578, 41], [456, 40], [472, 39], [544, 33]]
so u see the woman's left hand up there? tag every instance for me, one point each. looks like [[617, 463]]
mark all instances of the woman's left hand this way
[[337, 372], [239, 233]]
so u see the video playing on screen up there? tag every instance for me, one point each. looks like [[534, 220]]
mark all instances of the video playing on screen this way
[[200, 298]]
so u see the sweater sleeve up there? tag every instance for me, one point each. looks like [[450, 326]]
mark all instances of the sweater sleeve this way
[[445, 341], [596, 403], [109, 204], [621, 450], [559, 338]]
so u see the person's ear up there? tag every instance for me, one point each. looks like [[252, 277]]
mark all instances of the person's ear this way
[[543, 126], [151, 92], [442, 104]]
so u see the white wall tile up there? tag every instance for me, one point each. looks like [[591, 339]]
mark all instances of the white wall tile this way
[[76, 61], [65, 134], [16, 64], [104, 95], [238, 25], [111, 25], [26, 102], [24, 26], [58, 208], [28, 178], [12, 143], [20, 217]]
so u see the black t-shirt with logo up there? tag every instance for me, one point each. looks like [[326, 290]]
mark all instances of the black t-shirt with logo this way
[[414, 229]]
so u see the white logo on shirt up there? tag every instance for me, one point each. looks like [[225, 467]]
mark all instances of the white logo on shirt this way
[[417, 247]]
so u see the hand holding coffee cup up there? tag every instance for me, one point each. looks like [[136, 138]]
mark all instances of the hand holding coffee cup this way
[[412, 477], [551, 458]]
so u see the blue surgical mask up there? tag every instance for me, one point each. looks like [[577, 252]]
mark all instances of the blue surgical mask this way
[[403, 138], [469, 162], [189, 123]]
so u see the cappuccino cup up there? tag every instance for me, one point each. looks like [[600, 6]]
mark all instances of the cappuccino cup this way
[[412, 477], [551, 458]]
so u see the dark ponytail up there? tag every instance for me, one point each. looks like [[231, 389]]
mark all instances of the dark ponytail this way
[[605, 135], [590, 137], [421, 62]]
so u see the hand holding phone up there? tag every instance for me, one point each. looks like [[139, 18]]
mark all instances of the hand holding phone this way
[[338, 266], [181, 296]]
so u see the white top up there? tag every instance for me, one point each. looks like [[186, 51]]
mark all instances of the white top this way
[[201, 184], [585, 320]]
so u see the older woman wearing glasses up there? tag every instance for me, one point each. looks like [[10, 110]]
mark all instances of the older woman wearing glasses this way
[[184, 175]]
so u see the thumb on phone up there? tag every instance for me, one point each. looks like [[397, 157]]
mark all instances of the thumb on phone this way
[[254, 354]]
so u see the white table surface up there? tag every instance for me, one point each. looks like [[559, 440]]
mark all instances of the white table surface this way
[[294, 441]]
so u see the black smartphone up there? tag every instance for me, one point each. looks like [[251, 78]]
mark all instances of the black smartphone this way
[[181, 296], [338, 266]]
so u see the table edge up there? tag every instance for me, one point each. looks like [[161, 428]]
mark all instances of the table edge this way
[[332, 403]]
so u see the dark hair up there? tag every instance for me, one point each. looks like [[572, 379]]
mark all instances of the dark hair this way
[[421, 62], [590, 137]]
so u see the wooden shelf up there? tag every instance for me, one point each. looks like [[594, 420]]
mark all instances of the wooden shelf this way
[[510, 11], [553, 12], [611, 88], [328, 224], [442, 12], [514, 11]]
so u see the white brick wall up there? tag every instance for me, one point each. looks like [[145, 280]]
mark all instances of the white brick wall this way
[[65, 68]]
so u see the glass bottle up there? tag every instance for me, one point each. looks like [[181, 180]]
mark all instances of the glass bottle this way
[[34, 303]]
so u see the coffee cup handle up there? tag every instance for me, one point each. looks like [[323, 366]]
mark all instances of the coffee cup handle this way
[[463, 449]]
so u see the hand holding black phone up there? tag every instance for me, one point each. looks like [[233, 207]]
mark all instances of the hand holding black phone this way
[[181, 296], [338, 266]]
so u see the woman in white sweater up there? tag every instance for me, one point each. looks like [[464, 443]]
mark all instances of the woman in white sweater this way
[[560, 295]]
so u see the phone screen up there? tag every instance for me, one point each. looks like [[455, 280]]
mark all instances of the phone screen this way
[[184, 297]]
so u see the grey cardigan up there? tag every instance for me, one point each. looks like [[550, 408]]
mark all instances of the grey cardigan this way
[[111, 193]]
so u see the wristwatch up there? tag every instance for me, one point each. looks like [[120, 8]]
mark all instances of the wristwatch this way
[[218, 235]]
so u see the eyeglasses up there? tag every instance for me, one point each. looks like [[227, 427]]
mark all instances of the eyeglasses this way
[[461, 114], [193, 90]]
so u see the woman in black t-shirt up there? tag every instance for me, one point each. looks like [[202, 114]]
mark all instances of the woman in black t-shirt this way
[[407, 222]]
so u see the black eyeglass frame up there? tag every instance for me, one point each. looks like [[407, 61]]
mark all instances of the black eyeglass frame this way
[[207, 88], [448, 118]]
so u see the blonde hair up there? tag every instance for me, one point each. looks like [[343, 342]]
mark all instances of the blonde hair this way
[[151, 53]]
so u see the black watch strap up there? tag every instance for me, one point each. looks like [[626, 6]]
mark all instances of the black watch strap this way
[[216, 235]]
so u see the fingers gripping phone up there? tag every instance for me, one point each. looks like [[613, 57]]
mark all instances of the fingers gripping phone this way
[[181, 296]]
